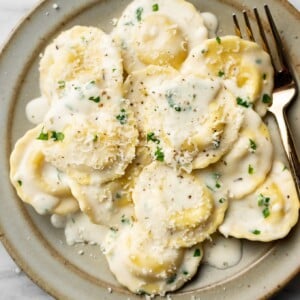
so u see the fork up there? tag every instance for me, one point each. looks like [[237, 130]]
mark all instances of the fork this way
[[285, 87]]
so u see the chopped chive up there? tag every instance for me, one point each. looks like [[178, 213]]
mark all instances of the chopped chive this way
[[95, 139], [159, 155], [139, 13], [265, 202], [171, 279], [185, 272], [221, 73], [266, 98], [151, 137], [43, 136], [266, 212], [197, 252], [177, 108], [57, 136], [222, 200], [61, 84], [242, 102], [20, 182], [122, 117], [250, 170], [264, 76], [218, 39], [155, 7], [253, 145], [256, 231], [95, 99]]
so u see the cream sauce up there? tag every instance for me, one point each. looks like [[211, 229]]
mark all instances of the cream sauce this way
[[222, 253], [211, 23], [79, 229], [36, 110]]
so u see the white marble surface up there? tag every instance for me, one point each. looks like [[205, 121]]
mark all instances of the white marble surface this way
[[14, 284]]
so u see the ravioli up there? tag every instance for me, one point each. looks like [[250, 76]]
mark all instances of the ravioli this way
[[176, 207], [91, 148], [244, 66], [191, 120], [145, 266], [159, 32], [268, 213], [250, 159], [36, 181], [111, 203], [78, 56]]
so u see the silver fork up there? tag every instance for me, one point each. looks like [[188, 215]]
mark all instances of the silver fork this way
[[285, 87]]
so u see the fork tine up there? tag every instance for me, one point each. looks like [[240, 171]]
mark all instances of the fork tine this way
[[279, 44], [237, 28], [261, 31], [263, 35], [248, 27]]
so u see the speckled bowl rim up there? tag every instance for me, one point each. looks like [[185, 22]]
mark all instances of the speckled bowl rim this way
[[10, 247]]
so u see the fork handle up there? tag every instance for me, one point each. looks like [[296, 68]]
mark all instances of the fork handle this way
[[289, 147]]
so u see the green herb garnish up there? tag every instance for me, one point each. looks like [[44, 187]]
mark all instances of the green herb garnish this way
[[253, 145], [242, 102], [222, 200], [95, 99], [221, 73], [155, 7], [265, 203], [256, 232], [122, 117], [159, 155], [57, 136], [218, 39], [266, 99], [217, 176], [151, 137], [197, 252], [250, 170], [171, 279], [139, 13], [43, 136], [20, 182], [61, 84]]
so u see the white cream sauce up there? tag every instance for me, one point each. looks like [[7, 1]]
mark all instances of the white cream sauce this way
[[79, 229], [58, 221], [211, 23], [222, 253], [36, 110]]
